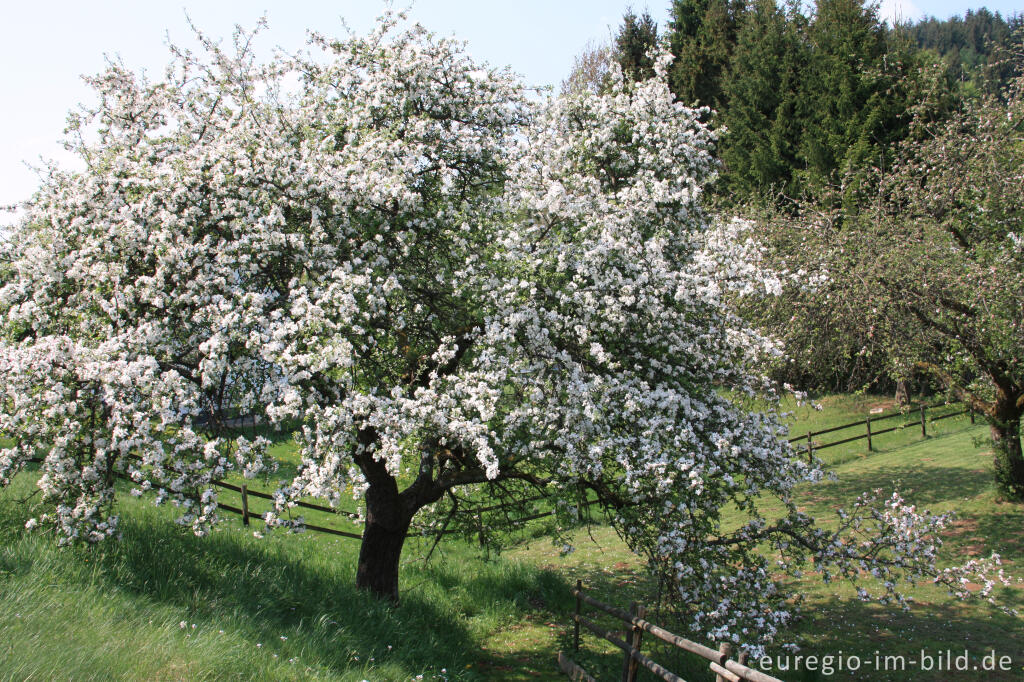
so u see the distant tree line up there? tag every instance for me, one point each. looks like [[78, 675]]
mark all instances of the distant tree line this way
[[814, 100], [975, 47]]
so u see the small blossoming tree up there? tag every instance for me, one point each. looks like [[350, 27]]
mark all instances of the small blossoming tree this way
[[454, 292]]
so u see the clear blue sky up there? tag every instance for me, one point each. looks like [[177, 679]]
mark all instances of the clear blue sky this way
[[46, 46]]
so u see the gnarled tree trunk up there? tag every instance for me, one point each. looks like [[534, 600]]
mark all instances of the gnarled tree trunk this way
[[1009, 459], [389, 513], [902, 394], [387, 522]]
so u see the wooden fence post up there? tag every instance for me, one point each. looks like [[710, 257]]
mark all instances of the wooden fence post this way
[[970, 410], [868, 423], [924, 431], [245, 506], [810, 448], [630, 664], [725, 649], [576, 620]]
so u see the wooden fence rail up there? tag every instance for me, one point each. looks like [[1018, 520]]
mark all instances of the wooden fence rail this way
[[245, 492], [810, 447], [719, 661]]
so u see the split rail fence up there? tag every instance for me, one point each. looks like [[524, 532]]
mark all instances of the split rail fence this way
[[245, 493], [719, 662], [810, 446]]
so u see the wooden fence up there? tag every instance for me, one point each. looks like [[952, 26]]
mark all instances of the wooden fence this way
[[719, 662], [810, 447], [245, 493]]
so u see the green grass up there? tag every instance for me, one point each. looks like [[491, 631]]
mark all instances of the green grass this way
[[944, 472], [839, 410], [285, 607]]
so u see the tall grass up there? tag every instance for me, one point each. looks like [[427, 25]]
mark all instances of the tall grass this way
[[285, 607], [163, 604]]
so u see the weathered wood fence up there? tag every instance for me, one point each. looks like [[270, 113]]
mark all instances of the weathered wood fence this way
[[810, 446], [247, 517], [719, 662]]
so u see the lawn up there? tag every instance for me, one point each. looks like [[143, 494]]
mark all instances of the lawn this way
[[163, 604], [951, 471]]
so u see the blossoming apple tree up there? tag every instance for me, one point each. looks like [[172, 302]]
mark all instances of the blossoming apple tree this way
[[454, 291]]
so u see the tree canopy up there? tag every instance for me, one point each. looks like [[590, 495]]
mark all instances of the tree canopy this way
[[928, 276], [447, 290], [635, 46], [814, 96], [949, 267], [763, 118], [701, 36]]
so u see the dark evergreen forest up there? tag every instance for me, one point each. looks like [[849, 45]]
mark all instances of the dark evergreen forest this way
[[815, 101]]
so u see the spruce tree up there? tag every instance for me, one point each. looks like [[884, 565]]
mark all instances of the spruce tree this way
[[761, 147], [702, 34], [637, 38], [843, 95]]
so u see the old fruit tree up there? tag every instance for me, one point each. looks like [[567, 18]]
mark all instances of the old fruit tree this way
[[446, 288]]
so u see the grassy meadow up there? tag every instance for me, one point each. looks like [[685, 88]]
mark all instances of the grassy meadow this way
[[163, 604]]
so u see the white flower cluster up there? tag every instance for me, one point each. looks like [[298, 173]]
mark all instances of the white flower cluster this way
[[438, 281]]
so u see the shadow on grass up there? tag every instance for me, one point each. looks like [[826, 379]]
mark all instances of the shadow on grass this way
[[834, 624], [618, 585], [870, 633], [1002, 527], [297, 593], [920, 483], [887, 643]]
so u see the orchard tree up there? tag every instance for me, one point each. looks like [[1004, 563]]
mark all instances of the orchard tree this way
[[951, 266], [590, 69], [929, 277], [452, 291]]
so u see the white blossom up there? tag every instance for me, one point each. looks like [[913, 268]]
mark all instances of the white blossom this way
[[432, 278]]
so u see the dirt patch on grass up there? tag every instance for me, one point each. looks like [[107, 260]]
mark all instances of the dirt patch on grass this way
[[961, 527], [966, 533]]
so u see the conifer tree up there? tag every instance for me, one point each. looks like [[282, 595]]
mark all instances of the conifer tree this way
[[843, 91], [761, 148], [702, 34], [635, 44], [864, 85]]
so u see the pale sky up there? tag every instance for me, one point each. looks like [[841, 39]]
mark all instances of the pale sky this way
[[45, 47]]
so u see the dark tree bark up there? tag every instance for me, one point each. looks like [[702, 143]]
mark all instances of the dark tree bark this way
[[389, 512], [388, 516], [387, 523], [1009, 459]]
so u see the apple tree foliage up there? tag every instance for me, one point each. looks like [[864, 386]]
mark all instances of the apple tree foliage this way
[[449, 289]]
